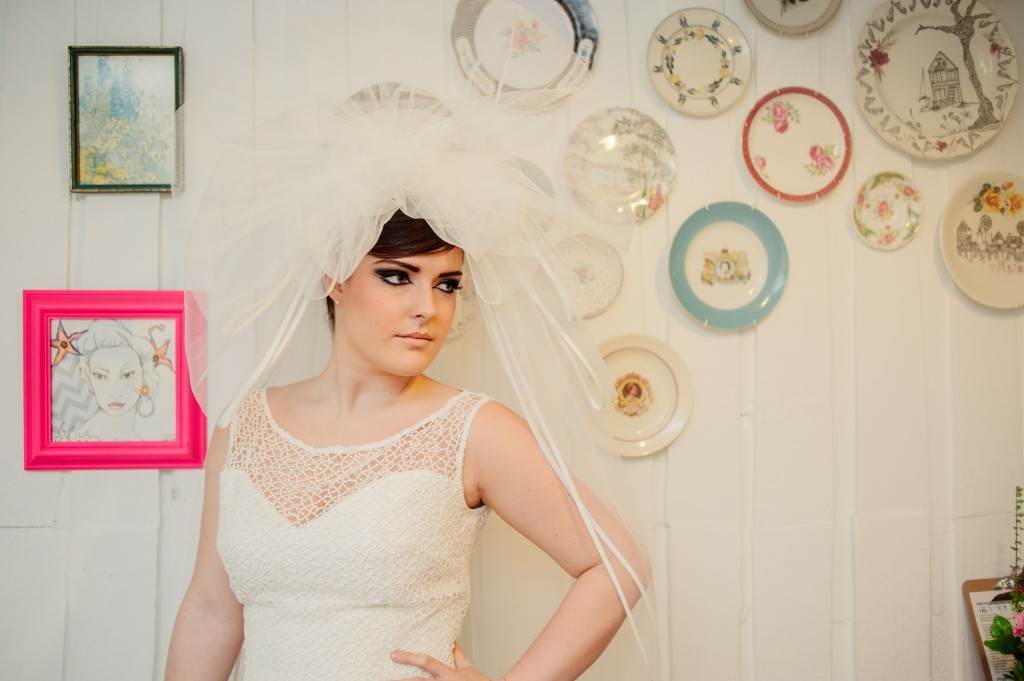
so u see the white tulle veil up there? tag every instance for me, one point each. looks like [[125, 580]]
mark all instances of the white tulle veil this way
[[267, 208]]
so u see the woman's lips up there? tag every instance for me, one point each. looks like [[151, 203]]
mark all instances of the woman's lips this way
[[412, 340]]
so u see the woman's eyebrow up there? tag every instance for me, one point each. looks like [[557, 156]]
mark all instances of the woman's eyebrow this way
[[414, 268]]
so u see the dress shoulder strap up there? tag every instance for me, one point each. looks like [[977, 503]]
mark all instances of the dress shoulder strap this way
[[243, 431], [467, 410]]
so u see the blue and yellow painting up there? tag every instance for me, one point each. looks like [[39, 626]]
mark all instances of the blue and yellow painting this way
[[126, 119]]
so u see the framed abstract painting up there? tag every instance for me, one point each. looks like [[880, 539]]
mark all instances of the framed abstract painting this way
[[106, 381], [123, 135]]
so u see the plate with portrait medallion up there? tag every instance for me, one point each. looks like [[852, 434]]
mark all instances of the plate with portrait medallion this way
[[653, 395]]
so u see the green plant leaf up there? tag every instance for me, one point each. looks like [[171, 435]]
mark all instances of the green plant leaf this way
[[1001, 627], [1000, 646]]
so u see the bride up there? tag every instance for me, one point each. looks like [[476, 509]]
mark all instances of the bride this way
[[357, 568]]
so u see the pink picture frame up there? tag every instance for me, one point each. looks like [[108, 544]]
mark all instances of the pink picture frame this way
[[106, 381]]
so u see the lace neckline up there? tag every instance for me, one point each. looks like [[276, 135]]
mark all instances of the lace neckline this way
[[265, 404]]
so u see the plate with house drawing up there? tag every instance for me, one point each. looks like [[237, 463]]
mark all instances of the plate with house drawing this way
[[982, 239], [935, 78]]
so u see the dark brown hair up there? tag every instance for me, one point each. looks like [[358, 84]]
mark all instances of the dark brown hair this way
[[401, 236]]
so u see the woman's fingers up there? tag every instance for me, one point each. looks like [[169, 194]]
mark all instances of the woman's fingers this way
[[460, 658], [425, 662]]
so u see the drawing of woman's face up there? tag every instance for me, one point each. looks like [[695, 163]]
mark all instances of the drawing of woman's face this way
[[116, 378]]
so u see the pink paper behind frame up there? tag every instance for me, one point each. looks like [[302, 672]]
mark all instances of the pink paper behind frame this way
[[39, 308]]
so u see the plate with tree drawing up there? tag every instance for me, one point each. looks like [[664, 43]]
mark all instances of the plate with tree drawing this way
[[982, 239], [935, 78]]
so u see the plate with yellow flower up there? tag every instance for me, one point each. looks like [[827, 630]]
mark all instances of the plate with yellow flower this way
[[699, 61], [888, 211], [982, 239]]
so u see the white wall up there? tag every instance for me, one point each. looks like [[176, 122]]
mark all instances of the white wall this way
[[848, 465]]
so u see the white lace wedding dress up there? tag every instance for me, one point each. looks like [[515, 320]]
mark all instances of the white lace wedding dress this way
[[342, 554]]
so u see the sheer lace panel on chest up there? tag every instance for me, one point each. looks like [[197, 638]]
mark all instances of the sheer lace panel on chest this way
[[303, 482]]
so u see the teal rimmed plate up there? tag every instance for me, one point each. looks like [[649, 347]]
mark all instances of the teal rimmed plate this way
[[728, 265]]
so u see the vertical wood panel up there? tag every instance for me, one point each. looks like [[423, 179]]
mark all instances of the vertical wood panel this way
[[793, 471], [216, 39], [114, 515]]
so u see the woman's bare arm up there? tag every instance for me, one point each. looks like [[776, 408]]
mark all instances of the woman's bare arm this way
[[207, 632], [516, 481]]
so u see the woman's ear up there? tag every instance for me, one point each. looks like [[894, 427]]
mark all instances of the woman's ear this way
[[333, 293]]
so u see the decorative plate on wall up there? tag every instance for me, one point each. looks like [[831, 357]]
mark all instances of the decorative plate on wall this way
[[620, 165], [982, 239], [653, 395], [699, 61], [483, 31], [796, 144], [596, 269], [888, 211], [794, 17], [728, 264], [935, 79], [466, 309]]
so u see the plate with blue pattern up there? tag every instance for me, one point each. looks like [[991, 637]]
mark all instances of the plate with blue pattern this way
[[728, 265]]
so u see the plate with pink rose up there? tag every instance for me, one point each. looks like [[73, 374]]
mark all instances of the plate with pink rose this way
[[888, 211], [796, 144]]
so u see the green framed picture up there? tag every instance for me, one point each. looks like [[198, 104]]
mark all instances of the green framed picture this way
[[123, 102]]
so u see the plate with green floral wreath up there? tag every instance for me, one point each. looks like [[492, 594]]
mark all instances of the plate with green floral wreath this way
[[699, 61]]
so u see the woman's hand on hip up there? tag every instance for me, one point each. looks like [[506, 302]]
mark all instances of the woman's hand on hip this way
[[462, 671]]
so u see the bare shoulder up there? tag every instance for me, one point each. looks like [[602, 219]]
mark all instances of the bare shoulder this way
[[496, 431]]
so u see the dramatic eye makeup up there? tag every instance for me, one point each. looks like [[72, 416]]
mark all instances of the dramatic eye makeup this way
[[403, 278]]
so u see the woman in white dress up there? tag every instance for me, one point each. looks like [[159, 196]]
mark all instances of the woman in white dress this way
[[332, 592]]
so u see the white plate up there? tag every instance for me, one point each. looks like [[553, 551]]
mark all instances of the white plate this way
[[620, 165], [982, 239], [796, 144], [540, 33], [915, 88], [887, 211], [466, 309], [794, 17], [596, 270], [699, 61], [654, 395]]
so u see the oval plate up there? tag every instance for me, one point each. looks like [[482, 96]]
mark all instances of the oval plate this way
[[794, 17], [796, 144], [728, 265], [982, 239], [888, 211], [914, 87], [653, 395], [699, 61]]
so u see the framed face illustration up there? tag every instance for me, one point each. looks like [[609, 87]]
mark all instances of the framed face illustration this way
[[107, 381]]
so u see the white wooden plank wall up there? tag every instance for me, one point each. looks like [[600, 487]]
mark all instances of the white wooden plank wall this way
[[848, 463]]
